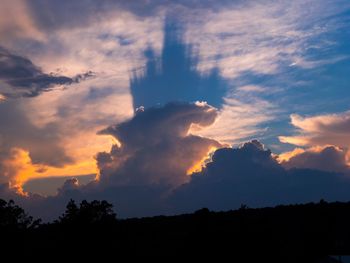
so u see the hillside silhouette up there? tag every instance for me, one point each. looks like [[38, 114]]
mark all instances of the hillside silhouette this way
[[289, 233]]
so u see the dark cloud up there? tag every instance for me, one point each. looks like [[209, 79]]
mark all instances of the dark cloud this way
[[24, 79], [251, 175], [155, 145], [330, 158]]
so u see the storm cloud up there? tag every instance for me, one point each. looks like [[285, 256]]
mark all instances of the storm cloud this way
[[251, 175], [156, 146]]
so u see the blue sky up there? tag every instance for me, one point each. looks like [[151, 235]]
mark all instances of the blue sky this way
[[275, 71]]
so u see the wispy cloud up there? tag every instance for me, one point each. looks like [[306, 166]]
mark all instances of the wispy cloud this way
[[262, 36]]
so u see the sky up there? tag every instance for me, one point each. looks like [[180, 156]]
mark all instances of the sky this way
[[164, 107]]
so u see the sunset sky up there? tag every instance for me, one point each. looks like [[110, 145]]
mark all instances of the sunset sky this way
[[162, 107]]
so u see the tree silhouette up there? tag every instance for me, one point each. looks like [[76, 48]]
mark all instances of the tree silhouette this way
[[95, 212], [14, 217]]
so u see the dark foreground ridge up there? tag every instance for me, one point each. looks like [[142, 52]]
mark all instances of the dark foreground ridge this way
[[292, 233]]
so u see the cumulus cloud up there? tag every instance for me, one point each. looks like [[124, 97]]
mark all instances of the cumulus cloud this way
[[155, 146], [329, 158], [154, 154], [251, 175], [327, 142], [24, 79]]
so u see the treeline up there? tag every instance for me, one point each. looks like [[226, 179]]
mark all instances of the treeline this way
[[291, 233]]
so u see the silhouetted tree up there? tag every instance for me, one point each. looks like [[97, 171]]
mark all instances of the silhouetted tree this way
[[88, 213], [14, 217]]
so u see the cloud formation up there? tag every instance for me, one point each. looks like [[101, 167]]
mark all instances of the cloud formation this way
[[328, 158], [155, 146], [251, 175], [329, 129], [24, 79], [26, 148], [248, 175], [327, 142]]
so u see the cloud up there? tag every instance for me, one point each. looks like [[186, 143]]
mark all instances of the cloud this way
[[21, 26], [26, 149], [155, 146], [328, 158], [251, 175], [323, 130], [24, 79], [154, 154], [260, 37], [19, 132], [327, 141]]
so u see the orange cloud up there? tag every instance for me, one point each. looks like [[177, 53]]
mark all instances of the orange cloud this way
[[18, 167], [326, 158], [198, 165], [328, 129], [286, 156], [319, 133]]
